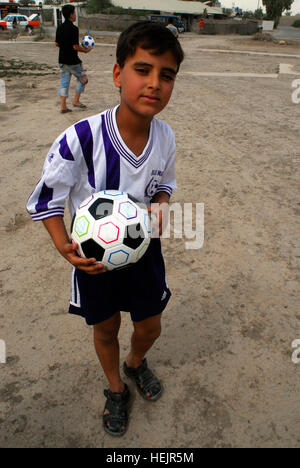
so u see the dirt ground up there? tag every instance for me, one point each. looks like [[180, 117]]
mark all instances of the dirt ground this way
[[226, 346]]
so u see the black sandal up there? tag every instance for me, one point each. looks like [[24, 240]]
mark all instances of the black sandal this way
[[145, 380], [115, 422]]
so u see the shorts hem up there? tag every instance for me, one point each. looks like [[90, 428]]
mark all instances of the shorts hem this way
[[75, 310], [90, 321]]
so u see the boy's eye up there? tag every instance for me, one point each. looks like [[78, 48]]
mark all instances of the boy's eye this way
[[168, 77], [142, 70]]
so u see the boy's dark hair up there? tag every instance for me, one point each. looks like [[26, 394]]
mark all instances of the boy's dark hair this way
[[67, 10], [150, 36]]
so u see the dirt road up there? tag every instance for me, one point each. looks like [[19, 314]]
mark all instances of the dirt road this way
[[225, 354]]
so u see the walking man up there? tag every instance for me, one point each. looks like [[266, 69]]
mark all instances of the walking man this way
[[67, 39]]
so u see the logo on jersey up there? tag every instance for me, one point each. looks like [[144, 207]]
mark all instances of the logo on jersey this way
[[154, 183]]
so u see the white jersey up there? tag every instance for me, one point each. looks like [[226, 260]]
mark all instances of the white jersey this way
[[91, 156]]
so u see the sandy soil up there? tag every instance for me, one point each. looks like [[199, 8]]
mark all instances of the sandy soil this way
[[225, 350]]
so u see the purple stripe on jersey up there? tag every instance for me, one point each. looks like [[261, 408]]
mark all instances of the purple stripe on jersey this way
[[46, 195], [64, 149], [47, 214], [164, 188], [112, 161], [120, 148], [85, 136]]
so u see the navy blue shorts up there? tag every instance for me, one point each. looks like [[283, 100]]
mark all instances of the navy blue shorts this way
[[140, 289]]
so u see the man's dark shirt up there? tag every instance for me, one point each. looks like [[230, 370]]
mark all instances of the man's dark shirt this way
[[66, 36]]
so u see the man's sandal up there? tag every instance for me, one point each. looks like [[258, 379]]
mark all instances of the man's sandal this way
[[80, 106], [145, 380], [115, 413]]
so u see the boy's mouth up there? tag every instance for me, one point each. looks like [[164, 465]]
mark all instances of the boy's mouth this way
[[150, 99]]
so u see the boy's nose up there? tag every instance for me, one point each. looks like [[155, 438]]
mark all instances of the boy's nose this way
[[154, 82]]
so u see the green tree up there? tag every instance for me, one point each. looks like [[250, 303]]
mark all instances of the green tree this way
[[26, 2], [98, 6], [248, 14], [275, 8], [259, 14]]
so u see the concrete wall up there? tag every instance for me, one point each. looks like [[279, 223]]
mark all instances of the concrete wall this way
[[223, 27], [288, 20], [107, 22]]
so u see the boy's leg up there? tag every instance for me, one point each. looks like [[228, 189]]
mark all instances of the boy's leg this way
[[144, 335], [135, 366], [76, 101], [65, 78], [81, 82], [63, 103], [115, 413], [108, 350]]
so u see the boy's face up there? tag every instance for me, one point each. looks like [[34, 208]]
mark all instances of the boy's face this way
[[146, 82], [72, 17]]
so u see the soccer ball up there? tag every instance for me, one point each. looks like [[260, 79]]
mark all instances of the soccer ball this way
[[87, 42], [112, 227]]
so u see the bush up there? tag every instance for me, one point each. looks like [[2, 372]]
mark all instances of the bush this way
[[263, 36], [296, 24]]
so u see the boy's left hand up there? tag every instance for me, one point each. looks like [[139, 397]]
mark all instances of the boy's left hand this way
[[159, 213], [156, 219]]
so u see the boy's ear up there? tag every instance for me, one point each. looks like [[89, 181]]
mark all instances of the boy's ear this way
[[117, 75]]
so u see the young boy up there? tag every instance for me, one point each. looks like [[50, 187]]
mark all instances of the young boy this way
[[67, 39], [124, 148]]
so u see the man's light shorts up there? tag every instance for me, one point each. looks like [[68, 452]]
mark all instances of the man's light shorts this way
[[66, 71]]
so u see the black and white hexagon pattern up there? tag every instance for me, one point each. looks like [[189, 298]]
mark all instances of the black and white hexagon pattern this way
[[113, 228]]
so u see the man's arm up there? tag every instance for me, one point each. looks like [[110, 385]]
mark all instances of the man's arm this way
[[161, 197], [81, 49], [78, 48], [159, 212], [57, 230]]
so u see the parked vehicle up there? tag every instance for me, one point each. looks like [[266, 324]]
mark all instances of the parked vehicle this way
[[165, 20], [34, 21], [22, 20]]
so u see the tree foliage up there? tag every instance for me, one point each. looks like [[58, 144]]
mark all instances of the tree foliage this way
[[275, 8], [98, 6], [259, 14], [26, 2]]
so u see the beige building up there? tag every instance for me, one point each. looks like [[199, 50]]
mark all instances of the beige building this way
[[186, 9], [170, 6]]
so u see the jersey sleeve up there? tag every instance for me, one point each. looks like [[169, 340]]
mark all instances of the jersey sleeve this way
[[168, 181], [59, 175]]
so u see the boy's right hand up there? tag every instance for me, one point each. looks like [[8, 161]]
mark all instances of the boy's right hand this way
[[87, 265], [56, 227]]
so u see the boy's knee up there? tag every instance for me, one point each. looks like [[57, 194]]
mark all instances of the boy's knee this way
[[105, 338], [150, 334], [106, 335]]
